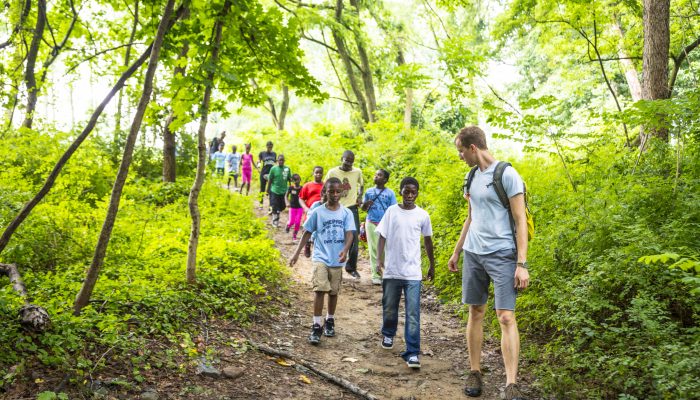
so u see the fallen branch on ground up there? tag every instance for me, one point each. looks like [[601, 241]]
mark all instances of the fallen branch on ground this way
[[31, 316], [344, 383]]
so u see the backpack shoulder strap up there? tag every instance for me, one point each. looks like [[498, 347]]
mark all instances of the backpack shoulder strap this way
[[498, 184], [469, 178], [503, 196]]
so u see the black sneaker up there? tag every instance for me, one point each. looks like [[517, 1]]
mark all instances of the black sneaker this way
[[474, 384], [513, 392], [387, 343], [307, 249], [329, 327], [413, 362], [315, 336], [355, 274], [286, 230]]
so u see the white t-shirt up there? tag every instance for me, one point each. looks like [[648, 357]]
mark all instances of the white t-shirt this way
[[402, 230]]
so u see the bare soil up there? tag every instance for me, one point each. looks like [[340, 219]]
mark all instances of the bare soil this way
[[355, 353]]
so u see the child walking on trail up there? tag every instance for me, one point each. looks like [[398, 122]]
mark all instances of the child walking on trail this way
[[310, 194], [234, 163], [247, 164], [376, 201], [295, 209], [334, 226], [277, 186], [220, 158], [399, 261]]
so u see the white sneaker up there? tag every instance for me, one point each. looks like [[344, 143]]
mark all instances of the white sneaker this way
[[376, 281], [413, 362]]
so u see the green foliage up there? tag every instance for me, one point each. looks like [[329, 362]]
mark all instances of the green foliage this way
[[593, 311], [141, 294]]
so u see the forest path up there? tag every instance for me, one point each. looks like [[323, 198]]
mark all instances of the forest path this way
[[355, 353]]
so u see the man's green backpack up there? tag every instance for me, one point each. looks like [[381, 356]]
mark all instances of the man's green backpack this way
[[501, 192]]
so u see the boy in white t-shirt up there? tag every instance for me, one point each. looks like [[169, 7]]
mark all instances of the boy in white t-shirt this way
[[399, 264]]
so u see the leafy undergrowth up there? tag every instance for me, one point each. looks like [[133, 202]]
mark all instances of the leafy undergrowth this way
[[143, 318]]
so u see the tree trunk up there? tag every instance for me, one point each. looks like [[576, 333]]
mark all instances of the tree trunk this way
[[283, 108], [366, 72], [169, 162], [628, 68], [345, 57], [101, 248], [127, 56], [655, 58], [29, 76], [32, 317], [48, 184], [191, 269], [408, 107]]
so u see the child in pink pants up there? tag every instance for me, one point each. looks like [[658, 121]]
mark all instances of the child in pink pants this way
[[295, 209]]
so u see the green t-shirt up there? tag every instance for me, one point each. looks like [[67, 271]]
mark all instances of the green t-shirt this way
[[279, 179]]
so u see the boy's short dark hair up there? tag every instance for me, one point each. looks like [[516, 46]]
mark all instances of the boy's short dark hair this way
[[409, 180], [317, 167], [296, 176], [269, 143], [332, 181], [385, 173]]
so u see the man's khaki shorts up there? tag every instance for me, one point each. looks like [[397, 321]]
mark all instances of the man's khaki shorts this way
[[326, 279]]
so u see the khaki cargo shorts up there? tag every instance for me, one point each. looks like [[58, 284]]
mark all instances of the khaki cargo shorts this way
[[326, 279]]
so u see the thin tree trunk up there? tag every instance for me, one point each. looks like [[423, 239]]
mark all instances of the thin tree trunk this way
[[48, 184], [366, 71], [655, 58], [29, 76], [127, 56], [20, 24], [408, 107], [678, 61], [345, 57], [101, 248], [283, 108], [628, 68], [191, 269], [169, 162]]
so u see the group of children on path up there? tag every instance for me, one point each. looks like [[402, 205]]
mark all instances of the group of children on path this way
[[493, 241], [393, 235]]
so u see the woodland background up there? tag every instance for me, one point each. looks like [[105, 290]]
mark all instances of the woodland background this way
[[109, 106]]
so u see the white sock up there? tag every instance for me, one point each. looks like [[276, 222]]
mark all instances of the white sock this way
[[317, 319], [329, 316]]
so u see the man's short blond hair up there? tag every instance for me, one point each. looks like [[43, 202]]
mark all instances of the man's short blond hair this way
[[472, 135]]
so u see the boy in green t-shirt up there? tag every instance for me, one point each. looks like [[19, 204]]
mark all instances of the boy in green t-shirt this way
[[277, 185]]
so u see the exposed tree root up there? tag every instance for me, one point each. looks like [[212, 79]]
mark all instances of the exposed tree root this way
[[344, 383]]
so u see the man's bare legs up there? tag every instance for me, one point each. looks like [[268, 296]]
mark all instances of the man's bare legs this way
[[475, 335], [510, 343], [510, 340]]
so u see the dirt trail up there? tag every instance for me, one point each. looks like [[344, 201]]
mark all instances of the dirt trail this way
[[354, 353]]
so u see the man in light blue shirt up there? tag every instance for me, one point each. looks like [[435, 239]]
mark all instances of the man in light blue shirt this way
[[491, 253]]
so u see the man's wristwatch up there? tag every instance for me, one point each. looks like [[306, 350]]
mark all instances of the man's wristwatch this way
[[521, 264]]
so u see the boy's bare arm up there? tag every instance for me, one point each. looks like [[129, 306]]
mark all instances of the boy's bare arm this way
[[304, 238], [380, 254], [348, 243], [428, 242]]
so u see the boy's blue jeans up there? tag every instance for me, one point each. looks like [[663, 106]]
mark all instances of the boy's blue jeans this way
[[391, 296]]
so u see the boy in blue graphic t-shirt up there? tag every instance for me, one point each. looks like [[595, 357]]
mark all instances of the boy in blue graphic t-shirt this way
[[333, 226]]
